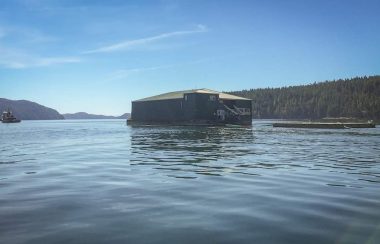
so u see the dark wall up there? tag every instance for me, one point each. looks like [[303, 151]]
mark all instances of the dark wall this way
[[200, 106], [159, 110], [189, 106], [194, 106], [245, 104]]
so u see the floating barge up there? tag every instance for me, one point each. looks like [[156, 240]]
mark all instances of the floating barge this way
[[327, 125], [192, 107]]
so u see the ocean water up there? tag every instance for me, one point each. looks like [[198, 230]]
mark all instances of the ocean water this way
[[101, 181]]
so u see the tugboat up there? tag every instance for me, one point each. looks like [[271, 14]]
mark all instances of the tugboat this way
[[8, 117]]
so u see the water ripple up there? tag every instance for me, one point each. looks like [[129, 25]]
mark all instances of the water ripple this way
[[105, 182]]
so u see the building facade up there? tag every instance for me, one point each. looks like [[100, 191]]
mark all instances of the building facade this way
[[192, 107]]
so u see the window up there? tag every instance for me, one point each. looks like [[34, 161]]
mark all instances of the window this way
[[212, 98], [245, 111]]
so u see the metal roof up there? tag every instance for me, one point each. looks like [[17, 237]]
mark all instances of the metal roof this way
[[179, 95]]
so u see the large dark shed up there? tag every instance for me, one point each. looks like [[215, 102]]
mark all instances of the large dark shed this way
[[200, 106]]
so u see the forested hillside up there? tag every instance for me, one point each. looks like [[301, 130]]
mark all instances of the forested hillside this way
[[357, 97]]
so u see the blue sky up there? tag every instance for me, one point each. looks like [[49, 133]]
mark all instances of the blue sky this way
[[98, 56]]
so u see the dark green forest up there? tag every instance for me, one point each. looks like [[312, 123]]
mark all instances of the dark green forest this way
[[355, 98]]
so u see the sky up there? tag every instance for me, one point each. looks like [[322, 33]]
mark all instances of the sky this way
[[98, 56]]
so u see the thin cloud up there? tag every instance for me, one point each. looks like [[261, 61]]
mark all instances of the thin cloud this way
[[2, 33], [16, 59], [37, 62], [25, 34], [123, 73], [130, 44], [47, 61], [20, 58]]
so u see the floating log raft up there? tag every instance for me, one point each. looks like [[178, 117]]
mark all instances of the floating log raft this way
[[319, 125]]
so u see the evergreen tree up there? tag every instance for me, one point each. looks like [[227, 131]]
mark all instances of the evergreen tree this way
[[358, 97]]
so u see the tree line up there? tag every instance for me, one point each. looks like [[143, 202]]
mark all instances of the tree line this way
[[357, 97]]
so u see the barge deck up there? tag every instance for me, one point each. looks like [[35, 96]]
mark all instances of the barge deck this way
[[319, 125]]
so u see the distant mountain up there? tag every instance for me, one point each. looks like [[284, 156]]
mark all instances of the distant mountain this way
[[83, 115], [125, 116], [27, 110]]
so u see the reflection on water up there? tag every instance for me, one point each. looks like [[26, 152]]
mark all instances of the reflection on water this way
[[104, 182], [190, 150]]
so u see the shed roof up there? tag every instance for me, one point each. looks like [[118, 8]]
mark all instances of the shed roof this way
[[179, 95]]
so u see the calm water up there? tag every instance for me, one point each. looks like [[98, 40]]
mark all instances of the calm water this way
[[104, 182]]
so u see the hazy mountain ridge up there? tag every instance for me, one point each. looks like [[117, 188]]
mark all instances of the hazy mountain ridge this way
[[27, 110], [84, 115]]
